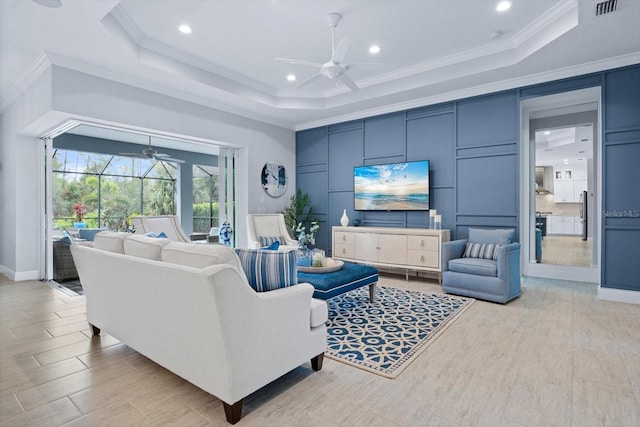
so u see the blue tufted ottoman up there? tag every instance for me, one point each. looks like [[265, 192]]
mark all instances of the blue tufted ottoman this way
[[350, 276]]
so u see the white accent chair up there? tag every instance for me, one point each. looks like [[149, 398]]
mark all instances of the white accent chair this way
[[268, 225], [169, 224]]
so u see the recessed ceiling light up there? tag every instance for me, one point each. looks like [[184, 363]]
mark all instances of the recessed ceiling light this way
[[291, 77], [496, 35], [546, 132], [503, 5], [374, 48], [185, 29]]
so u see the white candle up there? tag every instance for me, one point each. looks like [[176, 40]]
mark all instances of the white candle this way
[[433, 212]]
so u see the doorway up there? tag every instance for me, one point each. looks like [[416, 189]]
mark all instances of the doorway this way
[[560, 170], [132, 169]]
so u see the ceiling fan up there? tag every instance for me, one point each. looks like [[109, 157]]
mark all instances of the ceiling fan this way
[[335, 68], [151, 154]]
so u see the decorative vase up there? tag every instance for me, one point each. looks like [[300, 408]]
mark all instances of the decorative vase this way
[[344, 220], [317, 256], [226, 233], [304, 257]]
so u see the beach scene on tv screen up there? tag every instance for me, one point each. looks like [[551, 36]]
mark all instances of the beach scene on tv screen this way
[[398, 186]]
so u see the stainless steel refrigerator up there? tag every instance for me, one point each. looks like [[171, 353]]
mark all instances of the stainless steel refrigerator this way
[[583, 214]]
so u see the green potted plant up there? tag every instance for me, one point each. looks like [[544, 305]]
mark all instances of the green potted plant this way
[[299, 211]]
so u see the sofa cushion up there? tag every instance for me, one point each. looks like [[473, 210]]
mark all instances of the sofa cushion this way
[[481, 250], [145, 247], [267, 240], [476, 266], [268, 270], [111, 241], [500, 236], [198, 256]]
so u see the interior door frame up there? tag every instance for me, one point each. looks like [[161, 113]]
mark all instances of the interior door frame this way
[[527, 185]]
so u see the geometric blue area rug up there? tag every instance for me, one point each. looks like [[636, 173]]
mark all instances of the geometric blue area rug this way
[[385, 336]]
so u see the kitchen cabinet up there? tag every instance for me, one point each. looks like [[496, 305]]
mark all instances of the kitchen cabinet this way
[[563, 192], [564, 224], [568, 184]]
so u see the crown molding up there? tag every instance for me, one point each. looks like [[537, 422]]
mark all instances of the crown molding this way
[[37, 67], [532, 79]]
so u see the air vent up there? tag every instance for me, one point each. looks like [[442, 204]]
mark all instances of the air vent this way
[[605, 7]]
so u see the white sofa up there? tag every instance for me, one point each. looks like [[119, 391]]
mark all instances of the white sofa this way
[[190, 309], [268, 225]]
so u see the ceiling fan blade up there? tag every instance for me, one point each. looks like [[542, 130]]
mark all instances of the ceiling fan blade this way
[[348, 82], [309, 80], [170, 160], [340, 52], [299, 62]]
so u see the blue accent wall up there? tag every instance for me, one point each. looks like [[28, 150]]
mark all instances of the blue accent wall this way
[[473, 146], [621, 183]]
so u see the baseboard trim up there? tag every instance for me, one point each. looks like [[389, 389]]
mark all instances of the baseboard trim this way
[[619, 295], [19, 276]]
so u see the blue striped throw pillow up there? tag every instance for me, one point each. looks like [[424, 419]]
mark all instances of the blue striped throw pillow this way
[[482, 250], [267, 240], [268, 270]]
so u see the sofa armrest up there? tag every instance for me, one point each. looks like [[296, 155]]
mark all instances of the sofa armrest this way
[[509, 262], [452, 250]]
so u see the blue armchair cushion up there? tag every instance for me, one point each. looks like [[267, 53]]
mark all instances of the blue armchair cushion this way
[[475, 266], [268, 270], [501, 236], [267, 240], [89, 233], [272, 247], [481, 250]]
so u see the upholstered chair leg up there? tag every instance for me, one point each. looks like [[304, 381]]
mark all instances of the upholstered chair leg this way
[[316, 362], [233, 412], [95, 331]]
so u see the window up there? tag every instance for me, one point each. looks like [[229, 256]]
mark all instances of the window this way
[[205, 198], [111, 188]]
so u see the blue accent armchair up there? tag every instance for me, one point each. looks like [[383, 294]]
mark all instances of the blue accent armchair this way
[[496, 280]]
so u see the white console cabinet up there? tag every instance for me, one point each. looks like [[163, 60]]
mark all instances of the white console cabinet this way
[[410, 249]]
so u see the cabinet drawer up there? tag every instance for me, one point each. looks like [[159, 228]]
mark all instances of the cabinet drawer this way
[[428, 259], [344, 238], [423, 243], [343, 251]]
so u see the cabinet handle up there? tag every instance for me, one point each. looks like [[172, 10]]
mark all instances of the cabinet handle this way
[[421, 258], [344, 237], [422, 243], [344, 251]]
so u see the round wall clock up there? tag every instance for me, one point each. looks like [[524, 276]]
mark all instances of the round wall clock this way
[[274, 179]]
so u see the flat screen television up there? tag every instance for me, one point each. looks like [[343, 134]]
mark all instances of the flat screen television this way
[[392, 187]]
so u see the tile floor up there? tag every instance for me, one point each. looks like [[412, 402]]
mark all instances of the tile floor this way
[[564, 250], [557, 356]]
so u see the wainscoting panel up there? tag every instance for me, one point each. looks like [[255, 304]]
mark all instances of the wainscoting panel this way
[[312, 146], [486, 186], [488, 119], [345, 152], [384, 136], [432, 138], [621, 179]]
